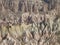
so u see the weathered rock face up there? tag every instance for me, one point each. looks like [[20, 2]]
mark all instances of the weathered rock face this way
[[11, 4], [27, 5], [29, 22]]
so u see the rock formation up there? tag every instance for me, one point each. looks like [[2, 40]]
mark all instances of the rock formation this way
[[29, 22]]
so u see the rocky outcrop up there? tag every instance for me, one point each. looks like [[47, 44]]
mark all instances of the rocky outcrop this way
[[29, 22]]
